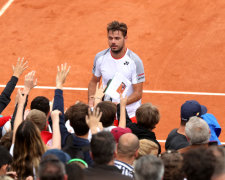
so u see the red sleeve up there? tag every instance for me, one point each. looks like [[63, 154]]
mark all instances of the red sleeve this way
[[4, 119]]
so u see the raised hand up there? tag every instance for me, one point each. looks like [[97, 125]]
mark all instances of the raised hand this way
[[55, 114], [30, 81], [99, 93], [61, 75], [29, 178], [20, 67], [123, 101], [21, 97], [93, 119], [12, 174]]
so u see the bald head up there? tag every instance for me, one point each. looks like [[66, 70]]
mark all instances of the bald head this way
[[128, 144]]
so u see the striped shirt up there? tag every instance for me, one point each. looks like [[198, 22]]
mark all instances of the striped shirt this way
[[126, 169]]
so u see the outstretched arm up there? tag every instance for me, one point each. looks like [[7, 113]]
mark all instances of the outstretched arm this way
[[30, 82], [62, 73], [56, 136], [123, 102], [17, 71], [19, 114]]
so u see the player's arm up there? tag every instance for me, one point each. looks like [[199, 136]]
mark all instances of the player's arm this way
[[138, 77], [137, 93], [91, 89]]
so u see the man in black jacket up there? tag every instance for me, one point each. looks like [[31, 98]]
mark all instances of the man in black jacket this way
[[177, 138], [103, 148]]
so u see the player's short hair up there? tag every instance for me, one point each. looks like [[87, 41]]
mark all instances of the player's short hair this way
[[117, 26]]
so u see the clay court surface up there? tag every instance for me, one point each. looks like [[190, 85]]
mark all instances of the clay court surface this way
[[181, 43]]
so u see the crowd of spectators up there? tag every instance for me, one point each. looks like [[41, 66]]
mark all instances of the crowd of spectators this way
[[47, 143]]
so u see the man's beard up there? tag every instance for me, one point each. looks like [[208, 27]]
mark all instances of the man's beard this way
[[117, 51]]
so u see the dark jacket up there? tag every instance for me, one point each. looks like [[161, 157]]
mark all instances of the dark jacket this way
[[65, 135], [143, 133], [104, 172], [140, 131], [78, 147], [6, 93], [176, 141]]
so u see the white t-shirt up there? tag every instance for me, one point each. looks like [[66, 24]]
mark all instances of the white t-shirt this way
[[130, 65]]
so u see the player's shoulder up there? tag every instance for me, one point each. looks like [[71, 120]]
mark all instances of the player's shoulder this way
[[133, 56], [102, 53], [135, 59]]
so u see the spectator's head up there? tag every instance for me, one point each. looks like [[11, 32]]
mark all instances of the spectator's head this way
[[219, 153], [197, 131], [61, 155], [172, 161], [51, 168], [147, 116], [191, 108], [80, 162], [38, 118], [77, 154], [6, 140], [28, 149], [147, 147], [41, 103], [5, 160], [108, 110], [127, 147], [199, 164], [149, 167], [117, 26], [76, 114], [103, 148], [74, 172]]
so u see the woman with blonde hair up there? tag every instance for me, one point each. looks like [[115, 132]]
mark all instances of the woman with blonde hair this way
[[147, 147]]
